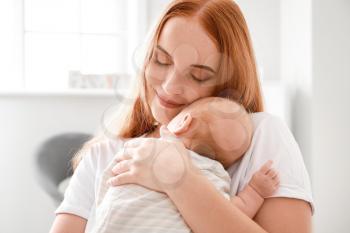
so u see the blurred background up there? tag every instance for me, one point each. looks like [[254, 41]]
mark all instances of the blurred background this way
[[61, 59]]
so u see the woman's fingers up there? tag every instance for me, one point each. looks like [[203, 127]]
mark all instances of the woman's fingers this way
[[124, 178], [121, 167], [142, 144], [136, 142], [132, 143], [142, 152], [123, 155]]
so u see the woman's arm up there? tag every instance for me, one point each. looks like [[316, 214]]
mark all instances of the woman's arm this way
[[68, 223], [286, 215], [206, 210], [79, 196]]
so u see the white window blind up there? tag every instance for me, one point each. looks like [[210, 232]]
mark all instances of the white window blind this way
[[42, 41], [11, 40]]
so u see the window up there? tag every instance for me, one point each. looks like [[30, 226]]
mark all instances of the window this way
[[44, 41]]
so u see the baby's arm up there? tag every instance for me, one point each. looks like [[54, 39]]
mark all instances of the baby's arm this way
[[263, 184]]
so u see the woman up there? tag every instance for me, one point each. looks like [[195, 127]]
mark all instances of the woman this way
[[200, 48]]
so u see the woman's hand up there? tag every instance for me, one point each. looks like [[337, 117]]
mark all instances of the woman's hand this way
[[155, 163]]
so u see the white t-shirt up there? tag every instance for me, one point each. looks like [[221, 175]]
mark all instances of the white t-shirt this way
[[271, 140]]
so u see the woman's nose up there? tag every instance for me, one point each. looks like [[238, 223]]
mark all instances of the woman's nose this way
[[173, 84]]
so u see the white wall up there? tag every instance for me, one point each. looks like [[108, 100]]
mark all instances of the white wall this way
[[331, 114], [263, 19], [296, 58], [25, 121], [154, 9], [315, 65]]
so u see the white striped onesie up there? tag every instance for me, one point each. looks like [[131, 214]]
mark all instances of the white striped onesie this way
[[132, 208]]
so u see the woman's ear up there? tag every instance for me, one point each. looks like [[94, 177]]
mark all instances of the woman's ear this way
[[182, 125]]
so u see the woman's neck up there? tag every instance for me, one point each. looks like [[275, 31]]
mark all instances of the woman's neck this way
[[154, 133]]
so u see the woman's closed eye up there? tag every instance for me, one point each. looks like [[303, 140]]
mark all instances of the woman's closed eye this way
[[161, 63], [199, 76], [162, 59], [196, 75], [199, 80]]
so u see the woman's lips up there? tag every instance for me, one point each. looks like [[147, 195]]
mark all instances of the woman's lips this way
[[167, 103]]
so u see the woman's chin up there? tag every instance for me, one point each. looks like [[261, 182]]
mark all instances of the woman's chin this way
[[162, 115]]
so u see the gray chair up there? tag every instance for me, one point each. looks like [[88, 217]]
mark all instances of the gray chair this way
[[53, 161]]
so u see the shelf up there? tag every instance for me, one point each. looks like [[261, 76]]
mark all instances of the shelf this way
[[59, 93]]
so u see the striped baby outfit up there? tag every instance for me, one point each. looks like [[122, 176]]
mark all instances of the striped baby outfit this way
[[132, 208]]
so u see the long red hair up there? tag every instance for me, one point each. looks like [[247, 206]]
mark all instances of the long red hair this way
[[237, 74]]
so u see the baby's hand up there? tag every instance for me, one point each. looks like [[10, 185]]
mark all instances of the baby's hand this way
[[265, 181]]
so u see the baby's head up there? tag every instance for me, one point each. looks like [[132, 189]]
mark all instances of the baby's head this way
[[215, 127]]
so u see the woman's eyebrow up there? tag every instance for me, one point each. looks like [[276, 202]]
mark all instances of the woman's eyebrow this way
[[159, 47], [193, 65]]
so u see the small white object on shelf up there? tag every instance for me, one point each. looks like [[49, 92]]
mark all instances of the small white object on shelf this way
[[79, 80]]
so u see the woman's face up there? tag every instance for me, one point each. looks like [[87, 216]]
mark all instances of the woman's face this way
[[182, 69]]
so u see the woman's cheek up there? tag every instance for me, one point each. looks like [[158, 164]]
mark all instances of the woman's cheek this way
[[154, 75]]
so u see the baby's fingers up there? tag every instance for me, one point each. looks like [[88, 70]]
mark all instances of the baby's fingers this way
[[272, 173], [276, 181], [265, 168]]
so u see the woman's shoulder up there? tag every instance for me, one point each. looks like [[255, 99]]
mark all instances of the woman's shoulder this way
[[110, 143], [267, 120], [271, 128], [272, 132], [102, 149], [271, 141]]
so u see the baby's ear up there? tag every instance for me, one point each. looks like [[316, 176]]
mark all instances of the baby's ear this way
[[182, 125]]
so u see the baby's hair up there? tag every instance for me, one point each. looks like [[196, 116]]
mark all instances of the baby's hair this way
[[231, 110]]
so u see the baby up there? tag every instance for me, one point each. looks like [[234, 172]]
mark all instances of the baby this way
[[217, 132]]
